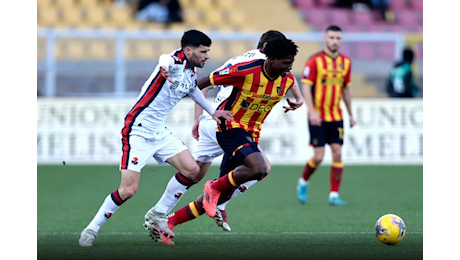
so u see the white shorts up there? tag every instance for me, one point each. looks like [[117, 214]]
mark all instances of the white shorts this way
[[207, 148], [140, 147]]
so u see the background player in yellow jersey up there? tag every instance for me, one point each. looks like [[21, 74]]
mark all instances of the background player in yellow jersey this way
[[326, 79]]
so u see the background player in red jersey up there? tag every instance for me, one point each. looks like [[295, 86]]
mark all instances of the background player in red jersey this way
[[258, 86], [326, 78]]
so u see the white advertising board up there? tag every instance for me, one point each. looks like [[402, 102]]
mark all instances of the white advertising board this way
[[87, 131]]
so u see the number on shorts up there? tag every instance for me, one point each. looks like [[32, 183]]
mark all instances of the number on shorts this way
[[340, 129]]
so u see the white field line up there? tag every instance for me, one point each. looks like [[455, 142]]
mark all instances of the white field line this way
[[227, 233]]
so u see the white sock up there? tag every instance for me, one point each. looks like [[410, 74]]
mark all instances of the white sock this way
[[177, 186], [302, 181], [237, 192], [105, 212], [333, 194]]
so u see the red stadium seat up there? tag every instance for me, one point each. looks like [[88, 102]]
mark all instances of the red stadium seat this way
[[325, 3], [398, 5], [345, 49], [318, 17], [385, 50], [417, 5], [363, 18], [407, 18], [305, 5], [351, 28], [340, 17], [364, 50]]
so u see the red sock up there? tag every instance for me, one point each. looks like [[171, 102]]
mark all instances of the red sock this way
[[308, 170], [189, 212], [336, 176], [225, 182]]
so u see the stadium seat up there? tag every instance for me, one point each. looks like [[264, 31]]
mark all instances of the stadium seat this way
[[43, 3], [64, 3], [227, 4], [319, 18], [186, 4], [96, 17], [351, 28], [100, 49], [214, 18], [362, 17], [340, 16], [193, 16], [407, 18], [205, 4], [398, 5], [364, 50], [345, 49], [325, 3], [417, 5], [47, 17], [385, 50], [72, 17], [305, 5]]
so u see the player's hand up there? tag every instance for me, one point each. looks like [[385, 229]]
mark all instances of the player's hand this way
[[165, 73], [314, 118], [222, 113], [293, 105], [195, 132], [352, 121]]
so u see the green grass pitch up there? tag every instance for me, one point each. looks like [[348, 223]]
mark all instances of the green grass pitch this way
[[267, 221]]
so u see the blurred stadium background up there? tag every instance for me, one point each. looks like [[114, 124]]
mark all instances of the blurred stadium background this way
[[94, 56]]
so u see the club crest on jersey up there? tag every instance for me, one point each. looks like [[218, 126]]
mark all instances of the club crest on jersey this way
[[279, 89], [306, 71], [135, 160]]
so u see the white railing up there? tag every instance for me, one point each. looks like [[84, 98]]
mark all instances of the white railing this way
[[121, 36]]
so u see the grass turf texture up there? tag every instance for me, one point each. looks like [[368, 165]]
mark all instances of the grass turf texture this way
[[267, 221]]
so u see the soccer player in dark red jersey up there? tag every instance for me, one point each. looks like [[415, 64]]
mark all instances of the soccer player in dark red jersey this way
[[326, 79], [258, 86]]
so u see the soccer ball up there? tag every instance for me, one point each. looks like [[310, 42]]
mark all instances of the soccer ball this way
[[390, 229]]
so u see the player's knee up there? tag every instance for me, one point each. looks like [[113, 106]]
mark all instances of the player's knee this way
[[337, 155], [192, 172], [318, 158], [259, 170], [127, 192]]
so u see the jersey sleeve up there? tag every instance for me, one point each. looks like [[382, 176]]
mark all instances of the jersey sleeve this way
[[228, 76], [348, 76], [309, 72]]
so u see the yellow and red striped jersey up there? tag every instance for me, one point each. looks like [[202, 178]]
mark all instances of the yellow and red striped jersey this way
[[328, 77], [253, 97]]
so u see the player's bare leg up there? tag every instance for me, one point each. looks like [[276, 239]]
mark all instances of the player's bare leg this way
[[254, 168], [309, 169], [336, 175], [127, 189], [221, 213], [156, 221]]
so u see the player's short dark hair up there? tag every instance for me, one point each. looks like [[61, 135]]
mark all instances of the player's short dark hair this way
[[268, 36], [333, 28], [280, 48], [194, 38]]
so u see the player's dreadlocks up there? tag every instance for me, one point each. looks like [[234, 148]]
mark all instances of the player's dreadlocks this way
[[280, 48]]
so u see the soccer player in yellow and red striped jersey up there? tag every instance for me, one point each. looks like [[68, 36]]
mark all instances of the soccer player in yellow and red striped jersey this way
[[326, 79], [258, 86]]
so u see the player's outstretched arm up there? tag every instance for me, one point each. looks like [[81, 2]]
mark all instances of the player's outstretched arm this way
[[298, 97], [204, 82], [166, 62], [198, 113], [198, 97]]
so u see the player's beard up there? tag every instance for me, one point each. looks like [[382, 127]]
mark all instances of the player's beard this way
[[333, 49], [196, 61]]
